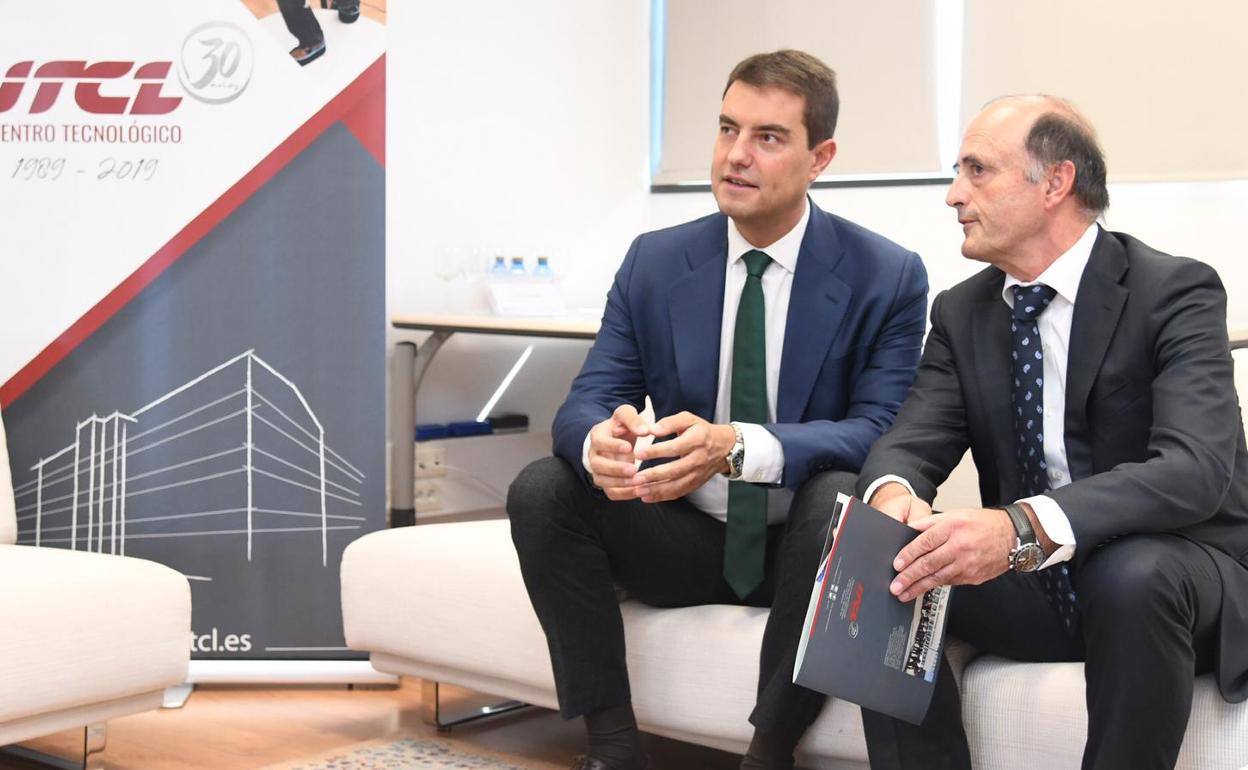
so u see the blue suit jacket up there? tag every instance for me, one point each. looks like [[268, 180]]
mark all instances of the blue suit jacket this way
[[852, 340]]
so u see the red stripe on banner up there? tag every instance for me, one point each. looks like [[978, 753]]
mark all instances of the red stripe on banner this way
[[827, 572], [361, 90], [367, 123]]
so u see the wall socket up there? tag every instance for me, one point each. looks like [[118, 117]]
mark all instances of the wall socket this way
[[428, 496], [430, 460]]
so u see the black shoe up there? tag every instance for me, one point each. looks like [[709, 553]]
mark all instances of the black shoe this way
[[306, 53], [348, 11], [586, 762]]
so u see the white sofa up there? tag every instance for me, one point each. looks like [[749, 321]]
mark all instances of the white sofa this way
[[445, 602], [84, 637]]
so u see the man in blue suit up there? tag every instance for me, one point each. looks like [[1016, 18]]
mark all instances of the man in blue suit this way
[[776, 343]]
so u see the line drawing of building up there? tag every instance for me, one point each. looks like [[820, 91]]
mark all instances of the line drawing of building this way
[[219, 449]]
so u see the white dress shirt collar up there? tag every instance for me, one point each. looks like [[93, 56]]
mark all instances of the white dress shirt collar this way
[[1054, 326], [783, 252], [1064, 274]]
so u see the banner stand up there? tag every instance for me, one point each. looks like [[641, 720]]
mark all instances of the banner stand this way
[[286, 672], [277, 672], [208, 389]]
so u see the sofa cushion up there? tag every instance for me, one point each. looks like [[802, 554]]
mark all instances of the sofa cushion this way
[[450, 594], [80, 628], [1029, 715], [694, 673], [8, 516], [449, 597]]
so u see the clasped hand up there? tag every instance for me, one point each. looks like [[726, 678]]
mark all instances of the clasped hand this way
[[697, 452], [964, 546]]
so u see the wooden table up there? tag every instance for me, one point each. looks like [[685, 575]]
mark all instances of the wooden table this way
[[410, 363]]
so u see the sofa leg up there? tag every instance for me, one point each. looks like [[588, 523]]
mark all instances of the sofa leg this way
[[94, 737], [431, 709], [175, 697]]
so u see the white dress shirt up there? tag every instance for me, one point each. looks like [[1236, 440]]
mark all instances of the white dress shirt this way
[[764, 454], [1054, 323]]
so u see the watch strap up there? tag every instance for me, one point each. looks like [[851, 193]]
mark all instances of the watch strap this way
[[1022, 524]]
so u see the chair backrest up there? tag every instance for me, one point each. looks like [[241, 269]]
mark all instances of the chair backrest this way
[[8, 513]]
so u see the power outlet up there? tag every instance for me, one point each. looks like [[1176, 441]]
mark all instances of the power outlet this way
[[430, 460], [428, 496]]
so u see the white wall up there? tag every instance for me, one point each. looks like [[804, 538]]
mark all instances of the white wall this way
[[512, 126], [525, 126]]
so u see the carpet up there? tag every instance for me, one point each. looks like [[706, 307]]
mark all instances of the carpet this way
[[400, 754]]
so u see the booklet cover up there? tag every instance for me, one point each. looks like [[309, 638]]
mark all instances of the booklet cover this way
[[860, 643]]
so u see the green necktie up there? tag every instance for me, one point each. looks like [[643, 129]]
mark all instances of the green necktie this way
[[745, 542]]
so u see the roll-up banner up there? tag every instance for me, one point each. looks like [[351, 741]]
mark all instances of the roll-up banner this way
[[192, 267]]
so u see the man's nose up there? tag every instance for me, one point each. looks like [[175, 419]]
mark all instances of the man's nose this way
[[955, 195], [739, 153]]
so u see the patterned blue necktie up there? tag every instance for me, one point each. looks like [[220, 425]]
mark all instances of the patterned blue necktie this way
[[1027, 398]]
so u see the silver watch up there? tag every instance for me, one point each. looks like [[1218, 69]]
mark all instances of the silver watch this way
[[736, 456], [1026, 555]]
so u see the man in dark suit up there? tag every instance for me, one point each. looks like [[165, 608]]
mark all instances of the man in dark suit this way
[[776, 343], [1091, 378]]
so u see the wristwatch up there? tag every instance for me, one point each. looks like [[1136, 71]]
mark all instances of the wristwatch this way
[[736, 456], [1027, 555]]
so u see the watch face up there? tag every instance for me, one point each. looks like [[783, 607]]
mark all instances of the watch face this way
[[1028, 558]]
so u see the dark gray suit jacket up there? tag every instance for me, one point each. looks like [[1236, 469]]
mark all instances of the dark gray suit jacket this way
[[1153, 430]]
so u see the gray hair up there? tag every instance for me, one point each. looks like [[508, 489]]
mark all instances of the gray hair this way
[[1064, 134]]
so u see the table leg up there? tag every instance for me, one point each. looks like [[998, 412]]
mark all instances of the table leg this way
[[408, 369], [402, 425]]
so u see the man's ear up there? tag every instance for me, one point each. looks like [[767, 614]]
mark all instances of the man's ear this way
[[1059, 183], [824, 152]]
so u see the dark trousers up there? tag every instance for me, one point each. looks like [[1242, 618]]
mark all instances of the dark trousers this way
[[576, 546], [1148, 615], [301, 22]]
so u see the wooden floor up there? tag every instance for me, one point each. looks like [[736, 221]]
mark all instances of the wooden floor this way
[[243, 728]]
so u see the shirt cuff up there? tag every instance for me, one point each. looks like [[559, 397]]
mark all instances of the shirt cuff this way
[[585, 453], [764, 455], [1055, 524], [881, 481]]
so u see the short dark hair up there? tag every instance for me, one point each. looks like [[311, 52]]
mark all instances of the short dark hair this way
[[1057, 137], [801, 74]]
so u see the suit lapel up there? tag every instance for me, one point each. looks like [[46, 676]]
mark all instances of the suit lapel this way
[[1097, 310], [990, 361], [818, 302], [696, 306]]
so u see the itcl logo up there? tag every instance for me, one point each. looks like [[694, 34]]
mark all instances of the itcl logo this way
[[50, 77]]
